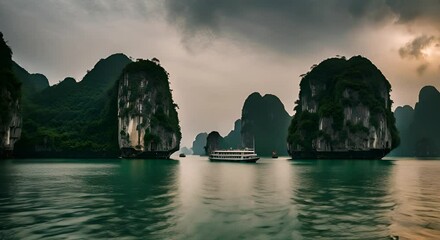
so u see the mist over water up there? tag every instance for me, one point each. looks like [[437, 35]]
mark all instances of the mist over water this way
[[192, 198]]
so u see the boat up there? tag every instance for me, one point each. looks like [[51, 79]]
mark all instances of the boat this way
[[274, 154], [182, 155], [245, 155]]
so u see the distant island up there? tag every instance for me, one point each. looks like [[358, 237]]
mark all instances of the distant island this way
[[344, 112], [419, 127], [264, 123], [214, 141], [199, 143]]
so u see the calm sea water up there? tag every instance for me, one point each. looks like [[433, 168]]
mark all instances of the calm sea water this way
[[192, 198]]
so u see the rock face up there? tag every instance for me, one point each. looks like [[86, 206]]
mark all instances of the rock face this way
[[419, 128], [10, 90], [264, 120], [343, 111], [199, 144], [404, 118], [148, 121], [233, 139], [214, 141]]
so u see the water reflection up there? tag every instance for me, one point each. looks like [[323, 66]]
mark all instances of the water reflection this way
[[147, 203], [221, 200], [90, 199], [237, 201], [417, 185], [343, 199]]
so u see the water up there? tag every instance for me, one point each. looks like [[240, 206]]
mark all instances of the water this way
[[193, 198]]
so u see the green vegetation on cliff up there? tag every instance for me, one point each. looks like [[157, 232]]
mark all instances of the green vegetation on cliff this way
[[31, 83], [340, 94], [75, 118]]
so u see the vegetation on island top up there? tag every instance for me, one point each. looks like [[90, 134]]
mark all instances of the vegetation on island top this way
[[75, 117], [336, 75]]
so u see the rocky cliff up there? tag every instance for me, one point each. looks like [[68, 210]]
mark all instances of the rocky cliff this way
[[10, 92], [419, 127], [214, 141], [264, 120], [148, 121], [343, 111], [199, 144]]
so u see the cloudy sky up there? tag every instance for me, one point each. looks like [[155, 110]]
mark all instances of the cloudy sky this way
[[219, 52]]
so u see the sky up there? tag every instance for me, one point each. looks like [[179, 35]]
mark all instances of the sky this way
[[219, 52]]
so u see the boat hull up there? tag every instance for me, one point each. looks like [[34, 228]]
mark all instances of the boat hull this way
[[368, 154], [235, 160]]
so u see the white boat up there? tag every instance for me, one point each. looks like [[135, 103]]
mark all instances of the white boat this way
[[245, 155]]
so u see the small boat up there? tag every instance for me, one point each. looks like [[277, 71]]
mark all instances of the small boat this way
[[182, 155], [245, 155], [274, 154]]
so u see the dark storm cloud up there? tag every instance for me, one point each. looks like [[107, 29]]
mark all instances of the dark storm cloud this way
[[114, 8], [284, 25], [414, 49], [420, 10], [293, 26], [99, 9]]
